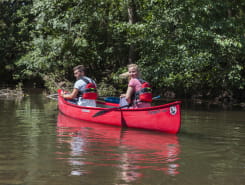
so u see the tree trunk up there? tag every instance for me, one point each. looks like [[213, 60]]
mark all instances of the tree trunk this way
[[131, 20]]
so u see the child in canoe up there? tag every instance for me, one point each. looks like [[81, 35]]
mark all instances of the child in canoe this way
[[139, 92]]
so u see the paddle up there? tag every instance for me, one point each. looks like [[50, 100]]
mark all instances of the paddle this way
[[110, 99], [116, 108], [53, 96], [106, 99], [108, 110]]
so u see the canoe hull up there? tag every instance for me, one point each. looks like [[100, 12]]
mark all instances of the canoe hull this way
[[164, 118]]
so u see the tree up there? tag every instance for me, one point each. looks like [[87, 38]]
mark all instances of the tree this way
[[190, 47], [14, 35]]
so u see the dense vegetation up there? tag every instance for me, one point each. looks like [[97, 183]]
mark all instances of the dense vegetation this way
[[191, 47]]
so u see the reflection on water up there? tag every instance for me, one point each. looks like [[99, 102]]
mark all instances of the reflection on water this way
[[128, 151], [36, 150]]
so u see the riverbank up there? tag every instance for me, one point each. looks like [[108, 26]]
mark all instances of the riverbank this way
[[221, 102], [12, 92]]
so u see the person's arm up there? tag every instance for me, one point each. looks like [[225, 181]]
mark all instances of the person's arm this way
[[71, 95], [129, 94]]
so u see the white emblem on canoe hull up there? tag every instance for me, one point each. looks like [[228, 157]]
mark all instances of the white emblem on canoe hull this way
[[173, 110]]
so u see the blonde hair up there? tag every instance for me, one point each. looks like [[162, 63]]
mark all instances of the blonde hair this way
[[136, 67]]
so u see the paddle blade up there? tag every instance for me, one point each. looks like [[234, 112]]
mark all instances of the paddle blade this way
[[112, 99], [108, 110], [156, 97], [100, 113]]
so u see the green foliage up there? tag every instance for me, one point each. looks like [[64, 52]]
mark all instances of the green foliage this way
[[106, 90], [193, 46], [14, 28], [190, 47], [56, 81]]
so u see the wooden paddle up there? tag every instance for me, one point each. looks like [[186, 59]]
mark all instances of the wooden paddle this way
[[116, 108]]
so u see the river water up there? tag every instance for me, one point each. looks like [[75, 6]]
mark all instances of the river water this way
[[40, 146]]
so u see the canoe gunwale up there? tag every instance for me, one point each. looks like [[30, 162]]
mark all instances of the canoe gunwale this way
[[116, 105]]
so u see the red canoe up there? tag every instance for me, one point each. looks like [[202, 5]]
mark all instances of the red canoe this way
[[164, 118]]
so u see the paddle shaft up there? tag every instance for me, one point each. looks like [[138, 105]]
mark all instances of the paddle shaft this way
[[156, 97], [108, 110], [116, 108]]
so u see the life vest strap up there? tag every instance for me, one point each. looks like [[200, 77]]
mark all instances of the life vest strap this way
[[90, 91], [144, 94]]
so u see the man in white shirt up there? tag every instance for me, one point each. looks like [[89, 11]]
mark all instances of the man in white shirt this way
[[80, 88]]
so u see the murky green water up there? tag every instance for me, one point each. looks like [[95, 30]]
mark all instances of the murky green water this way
[[38, 146]]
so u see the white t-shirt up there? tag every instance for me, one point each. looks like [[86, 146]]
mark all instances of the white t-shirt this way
[[80, 85]]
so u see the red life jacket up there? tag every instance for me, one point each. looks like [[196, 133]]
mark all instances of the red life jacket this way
[[145, 93], [90, 91]]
